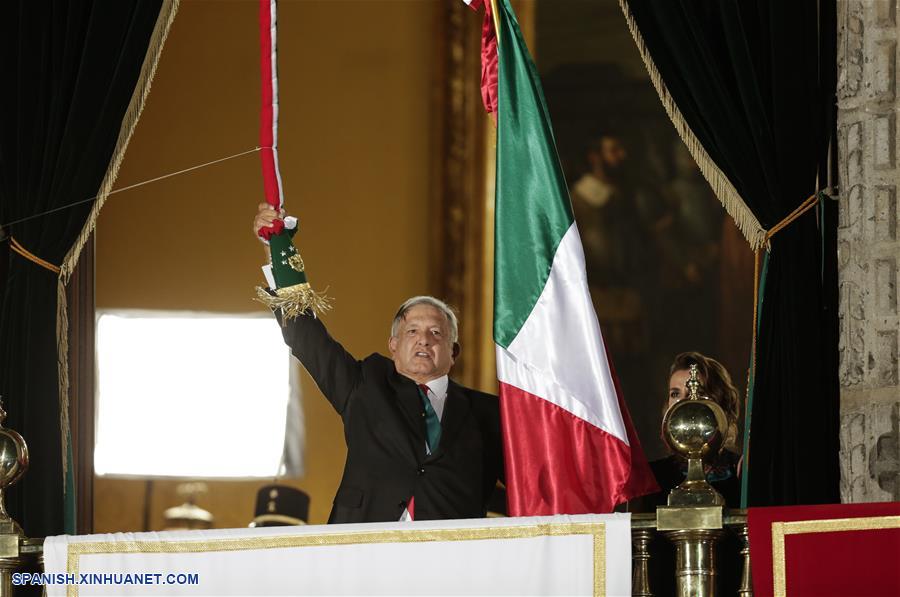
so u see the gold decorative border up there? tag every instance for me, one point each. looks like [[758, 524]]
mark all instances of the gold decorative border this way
[[781, 529], [596, 529]]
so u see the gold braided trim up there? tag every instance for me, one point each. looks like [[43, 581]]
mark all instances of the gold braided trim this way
[[757, 257], [596, 529], [295, 300], [749, 225], [279, 518], [18, 248], [801, 209], [782, 529], [721, 186], [138, 98], [135, 107]]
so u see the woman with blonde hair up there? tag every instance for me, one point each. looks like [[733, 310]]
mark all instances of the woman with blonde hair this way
[[716, 384], [722, 469]]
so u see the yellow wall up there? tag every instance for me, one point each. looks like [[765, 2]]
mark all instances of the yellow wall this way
[[355, 89]]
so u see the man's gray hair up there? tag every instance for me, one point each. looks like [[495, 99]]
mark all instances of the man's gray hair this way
[[426, 300]]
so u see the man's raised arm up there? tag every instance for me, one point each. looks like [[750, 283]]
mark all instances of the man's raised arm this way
[[334, 370]]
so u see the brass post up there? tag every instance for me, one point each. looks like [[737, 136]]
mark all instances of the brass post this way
[[13, 464], [640, 574], [694, 428], [746, 588], [7, 567], [695, 561]]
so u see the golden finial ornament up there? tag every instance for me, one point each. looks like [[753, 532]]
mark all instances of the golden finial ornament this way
[[694, 428], [13, 464]]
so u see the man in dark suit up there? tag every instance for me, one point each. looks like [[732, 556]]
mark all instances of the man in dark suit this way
[[419, 445]]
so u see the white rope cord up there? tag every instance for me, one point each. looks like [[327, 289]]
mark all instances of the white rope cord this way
[[129, 187]]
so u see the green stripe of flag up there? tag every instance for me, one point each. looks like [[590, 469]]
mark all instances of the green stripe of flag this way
[[533, 210]]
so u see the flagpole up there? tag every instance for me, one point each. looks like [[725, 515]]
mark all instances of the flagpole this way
[[496, 20]]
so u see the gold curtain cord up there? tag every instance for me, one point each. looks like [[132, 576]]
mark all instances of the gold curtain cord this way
[[801, 209], [18, 248]]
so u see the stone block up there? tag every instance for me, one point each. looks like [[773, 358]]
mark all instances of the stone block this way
[[883, 78], [885, 12], [870, 453], [885, 213], [885, 358], [883, 142], [843, 254], [854, 214], [852, 341], [854, 155], [886, 286], [850, 49]]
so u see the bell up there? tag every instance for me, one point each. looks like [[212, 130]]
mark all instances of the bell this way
[[694, 428]]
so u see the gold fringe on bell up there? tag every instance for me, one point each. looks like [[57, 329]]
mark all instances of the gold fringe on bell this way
[[729, 197], [295, 300]]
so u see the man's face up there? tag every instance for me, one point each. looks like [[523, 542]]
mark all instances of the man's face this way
[[613, 152], [422, 349], [609, 156]]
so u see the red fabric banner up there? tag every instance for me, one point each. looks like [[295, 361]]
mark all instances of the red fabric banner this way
[[488, 57], [830, 550], [548, 433]]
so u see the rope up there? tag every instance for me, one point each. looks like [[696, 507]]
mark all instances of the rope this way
[[18, 248], [756, 255], [804, 207], [801, 209], [759, 273], [132, 186], [164, 20]]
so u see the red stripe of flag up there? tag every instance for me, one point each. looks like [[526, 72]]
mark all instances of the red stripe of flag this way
[[488, 56]]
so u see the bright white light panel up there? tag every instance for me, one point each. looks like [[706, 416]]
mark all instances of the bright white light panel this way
[[190, 395]]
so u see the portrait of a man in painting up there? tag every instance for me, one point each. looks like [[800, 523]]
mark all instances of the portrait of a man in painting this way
[[667, 268]]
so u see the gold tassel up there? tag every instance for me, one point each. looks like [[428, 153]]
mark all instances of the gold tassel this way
[[135, 106], [729, 197], [62, 372], [294, 301]]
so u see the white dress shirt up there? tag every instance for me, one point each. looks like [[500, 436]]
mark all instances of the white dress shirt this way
[[437, 394]]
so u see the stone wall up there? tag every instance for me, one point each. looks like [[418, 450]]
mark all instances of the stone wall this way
[[868, 249]]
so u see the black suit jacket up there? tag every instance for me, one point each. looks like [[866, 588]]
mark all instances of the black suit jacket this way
[[384, 427]]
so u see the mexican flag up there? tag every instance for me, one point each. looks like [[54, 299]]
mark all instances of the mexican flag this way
[[569, 443]]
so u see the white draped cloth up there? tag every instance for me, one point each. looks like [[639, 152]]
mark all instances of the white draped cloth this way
[[558, 555]]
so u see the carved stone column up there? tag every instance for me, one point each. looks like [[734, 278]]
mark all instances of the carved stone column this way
[[868, 250]]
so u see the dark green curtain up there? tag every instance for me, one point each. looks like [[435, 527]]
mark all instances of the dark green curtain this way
[[755, 82], [70, 68]]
